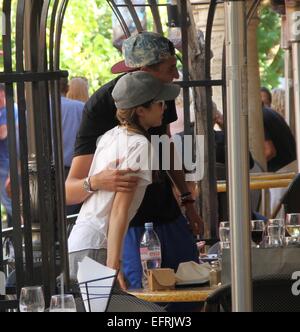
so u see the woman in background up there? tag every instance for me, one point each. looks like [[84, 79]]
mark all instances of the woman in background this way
[[78, 89], [278, 101]]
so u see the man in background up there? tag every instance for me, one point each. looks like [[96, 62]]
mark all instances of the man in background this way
[[4, 155], [71, 114]]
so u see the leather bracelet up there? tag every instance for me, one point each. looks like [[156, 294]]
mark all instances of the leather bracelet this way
[[182, 196], [187, 201]]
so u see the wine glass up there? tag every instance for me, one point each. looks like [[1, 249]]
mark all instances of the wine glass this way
[[257, 231], [32, 299], [293, 225], [62, 303]]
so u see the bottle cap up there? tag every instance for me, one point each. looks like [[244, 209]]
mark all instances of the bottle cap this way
[[215, 264], [149, 225]]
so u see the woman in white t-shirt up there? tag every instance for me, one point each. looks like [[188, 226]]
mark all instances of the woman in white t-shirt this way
[[104, 217]]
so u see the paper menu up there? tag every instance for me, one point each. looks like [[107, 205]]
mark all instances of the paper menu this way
[[95, 283]]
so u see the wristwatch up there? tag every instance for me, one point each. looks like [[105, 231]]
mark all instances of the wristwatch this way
[[87, 185]]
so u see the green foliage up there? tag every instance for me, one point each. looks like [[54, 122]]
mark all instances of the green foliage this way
[[271, 56], [86, 48], [86, 45]]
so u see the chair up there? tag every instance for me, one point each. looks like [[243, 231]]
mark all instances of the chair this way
[[71, 220], [121, 301], [8, 305], [290, 200], [270, 294]]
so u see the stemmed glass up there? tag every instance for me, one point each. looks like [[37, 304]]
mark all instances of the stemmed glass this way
[[62, 303], [32, 299], [257, 231], [292, 225]]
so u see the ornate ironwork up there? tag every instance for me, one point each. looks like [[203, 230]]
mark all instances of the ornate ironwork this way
[[38, 185]]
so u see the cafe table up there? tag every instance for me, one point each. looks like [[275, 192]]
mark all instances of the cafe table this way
[[192, 294]]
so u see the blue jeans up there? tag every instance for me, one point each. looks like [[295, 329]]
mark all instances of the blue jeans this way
[[177, 245], [4, 171]]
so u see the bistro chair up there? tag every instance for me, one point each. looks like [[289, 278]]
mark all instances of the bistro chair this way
[[290, 200], [71, 220], [270, 294], [121, 301], [7, 304]]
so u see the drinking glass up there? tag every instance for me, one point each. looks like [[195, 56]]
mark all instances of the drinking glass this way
[[288, 241], [224, 234], [272, 242], [62, 303], [32, 299], [278, 222], [292, 225], [257, 231], [276, 230]]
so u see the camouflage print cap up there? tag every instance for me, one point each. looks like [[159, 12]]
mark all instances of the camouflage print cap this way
[[146, 49]]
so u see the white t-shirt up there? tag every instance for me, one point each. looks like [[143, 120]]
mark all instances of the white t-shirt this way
[[133, 151]]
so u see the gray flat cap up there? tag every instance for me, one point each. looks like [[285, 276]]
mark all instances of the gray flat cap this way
[[137, 88]]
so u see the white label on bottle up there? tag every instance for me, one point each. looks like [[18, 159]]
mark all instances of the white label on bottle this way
[[149, 254]]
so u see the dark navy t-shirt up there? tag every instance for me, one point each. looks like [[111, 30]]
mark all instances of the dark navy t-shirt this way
[[278, 131]]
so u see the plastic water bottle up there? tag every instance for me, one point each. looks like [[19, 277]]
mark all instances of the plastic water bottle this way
[[150, 250]]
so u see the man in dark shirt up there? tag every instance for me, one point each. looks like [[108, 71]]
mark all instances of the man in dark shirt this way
[[280, 145], [155, 54]]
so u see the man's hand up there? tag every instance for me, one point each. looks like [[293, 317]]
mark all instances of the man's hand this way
[[114, 181], [194, 219]]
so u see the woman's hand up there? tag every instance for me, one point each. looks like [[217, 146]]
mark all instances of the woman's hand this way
[[120, 276], [121, 281]]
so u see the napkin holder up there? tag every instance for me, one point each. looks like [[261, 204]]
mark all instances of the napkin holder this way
[[161, 279]]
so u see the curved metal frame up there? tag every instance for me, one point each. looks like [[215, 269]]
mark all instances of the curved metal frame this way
[[24, 141], [119, 16], [16, 213], [50, 180]]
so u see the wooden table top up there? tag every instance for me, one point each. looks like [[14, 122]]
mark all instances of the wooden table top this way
[[195, 294]]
